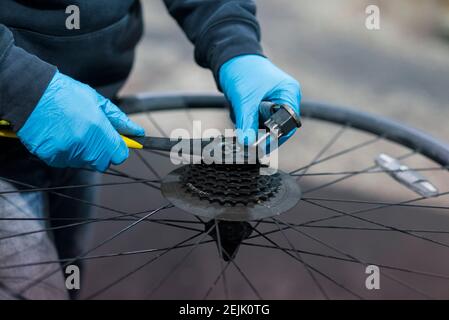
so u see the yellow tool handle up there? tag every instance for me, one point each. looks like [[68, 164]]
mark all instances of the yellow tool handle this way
[[7, 133], [132, 144], [4, 133]]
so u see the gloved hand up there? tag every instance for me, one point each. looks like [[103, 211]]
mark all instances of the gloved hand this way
[[247, 81], [74, 126]]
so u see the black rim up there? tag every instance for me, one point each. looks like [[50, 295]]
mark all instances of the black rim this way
[[388, 129]]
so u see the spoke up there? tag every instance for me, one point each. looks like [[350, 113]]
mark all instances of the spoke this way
[[328, 145], [15, 205], [377, 202], [70, 225], [335, 249], [156, 125], [369, 172], [220, 251], [327, 256], [102, 256], [125, 175], [257, 223], [159, 153], [214, 284], [366, 229], [379, 224], [173, 225], [266, 233], [109, 172], [42, 278], [117, 173], [119, 218], [340, 153], [199, 219], [315, 280], [231, 260], [327, 184], [191, 120], [180, 263], [11, 292], [245, 277], [310, 266], [89, 203], [147, 164], [140, 267], [370, 209], [80, 186], [84, 221]]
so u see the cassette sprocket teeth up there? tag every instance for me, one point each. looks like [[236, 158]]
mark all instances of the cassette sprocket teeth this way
[[236, 192], [230, 185]]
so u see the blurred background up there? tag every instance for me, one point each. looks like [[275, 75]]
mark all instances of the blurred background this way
[[400, 71]]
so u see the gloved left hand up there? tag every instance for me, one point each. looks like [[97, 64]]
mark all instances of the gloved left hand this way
[[74, 126], [248, 80]]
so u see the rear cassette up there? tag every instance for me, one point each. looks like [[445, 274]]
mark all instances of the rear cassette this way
[[235, 192]]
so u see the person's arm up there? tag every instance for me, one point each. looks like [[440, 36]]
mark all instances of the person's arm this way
[[219, 30], [62, 121], [23, 80], [226, 36]]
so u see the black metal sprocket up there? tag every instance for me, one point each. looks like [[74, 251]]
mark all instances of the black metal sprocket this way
[[230, 185], [235, 192]]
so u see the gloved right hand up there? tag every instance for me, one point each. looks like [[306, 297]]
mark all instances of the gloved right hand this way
[[74, 126]]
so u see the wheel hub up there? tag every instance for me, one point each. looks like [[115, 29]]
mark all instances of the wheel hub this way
[[228, 236]]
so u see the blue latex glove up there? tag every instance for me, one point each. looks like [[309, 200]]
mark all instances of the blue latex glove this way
[[74, 126], [247, 81]]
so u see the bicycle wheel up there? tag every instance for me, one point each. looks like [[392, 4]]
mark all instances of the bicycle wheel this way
[[351, 214]]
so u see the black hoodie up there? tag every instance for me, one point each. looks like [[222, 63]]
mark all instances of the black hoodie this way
[[34, 41]]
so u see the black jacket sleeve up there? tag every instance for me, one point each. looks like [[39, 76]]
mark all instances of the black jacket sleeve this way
[[219, 29], [23, 80]]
